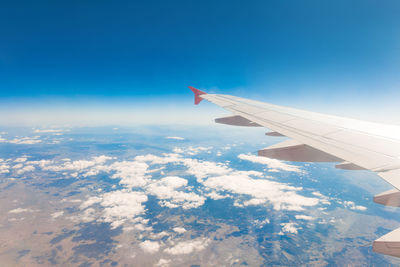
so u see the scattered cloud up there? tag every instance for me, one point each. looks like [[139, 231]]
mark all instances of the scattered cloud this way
[[4, 168], [261, 191], [150, 246], [166, 189], [178, 150], [21, 159], [188, 247], [191, 151], [28, 168], [353, 206], [304, 217], [289, 228], [179, 230], [163, 263], [47, 130], [57, 214], [138, 180], [120, 206], [273, 164], [23, 140], [130, 173], [175, 138], [21, 210]]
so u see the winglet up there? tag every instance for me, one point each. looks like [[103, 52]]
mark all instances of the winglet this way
[[197, 95]]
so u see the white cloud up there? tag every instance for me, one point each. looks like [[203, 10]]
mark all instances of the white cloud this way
[[116, 208], [281, 196], [18, 166], [57, 214], [191, 151], [163, 263], [24, 140], [77, 165], [153, 159], [41, 163], [353, 206], [88, 215], [131, 173], [178, 150], [166, 189], [28, 168], [47, 131], [271, 163], [261, 223], [124, 207], [150, 246], [289, 228], [203, 169], [120, 206], [215, 196], [21, 210], [179, 230], [90, 201], [175, 138], [304, 217], [21, 159], [4, 168], [187, 247]]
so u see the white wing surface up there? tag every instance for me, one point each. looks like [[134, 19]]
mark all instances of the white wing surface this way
[[318, 137]]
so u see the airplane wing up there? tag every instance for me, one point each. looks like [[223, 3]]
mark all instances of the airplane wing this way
[[315, 137]]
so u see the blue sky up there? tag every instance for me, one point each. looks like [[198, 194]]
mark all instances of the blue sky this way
[[301, 53]]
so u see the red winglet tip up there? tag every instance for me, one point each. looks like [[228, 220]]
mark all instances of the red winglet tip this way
[[197, 95]]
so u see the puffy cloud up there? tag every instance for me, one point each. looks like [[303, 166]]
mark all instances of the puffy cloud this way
[[77, 165], [177, 150], [163, 263], [203, 169], [120, 206], [271, 163], [41, 163], [47, 131], [217, 181], [28, 168], [280, 195], [187, 247], [353, 206], [304, 217], [196, 150], [21, 159], [21, 210], [153, 159], [215, 196], [175, 138], [90, 201], [24, 140], [179, 230], [4, 168], [88, 215], [18, 166], [150, 246], [289, 228], [57, 214], [131, 173], [166, 190], [116, 207]]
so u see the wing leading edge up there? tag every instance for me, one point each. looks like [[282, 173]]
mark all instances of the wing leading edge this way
[[316, 137]]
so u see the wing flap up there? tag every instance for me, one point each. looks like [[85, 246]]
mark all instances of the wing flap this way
[[388, 244], [292, 150]]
